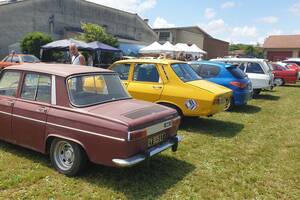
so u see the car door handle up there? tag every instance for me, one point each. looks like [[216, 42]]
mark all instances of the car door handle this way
[[10, 102], [42, 109], [157, 87]]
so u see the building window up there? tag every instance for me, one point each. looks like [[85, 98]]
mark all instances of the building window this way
[[165, 36]]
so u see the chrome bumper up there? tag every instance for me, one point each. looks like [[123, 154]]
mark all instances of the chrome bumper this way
[[128, 162]]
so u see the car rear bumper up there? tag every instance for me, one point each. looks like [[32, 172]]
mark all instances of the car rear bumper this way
[[241, 98], [128, 162]]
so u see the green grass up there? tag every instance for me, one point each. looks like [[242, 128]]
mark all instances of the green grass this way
[[252, 152]]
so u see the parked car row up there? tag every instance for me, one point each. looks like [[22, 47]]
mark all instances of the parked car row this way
[[125, 115]]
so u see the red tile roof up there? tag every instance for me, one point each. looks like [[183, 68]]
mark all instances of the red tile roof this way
[[282, 42]]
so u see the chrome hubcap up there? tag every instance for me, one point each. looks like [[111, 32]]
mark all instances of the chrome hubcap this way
[[64, 155], [278, 81], [228, 104]]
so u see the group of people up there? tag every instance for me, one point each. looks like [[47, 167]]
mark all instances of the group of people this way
[[180, 56]]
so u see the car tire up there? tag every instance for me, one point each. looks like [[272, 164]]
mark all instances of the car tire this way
[[279, 81], [67, 157], [229, 105]]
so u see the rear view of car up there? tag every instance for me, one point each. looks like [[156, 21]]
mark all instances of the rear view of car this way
[[229, 76], [258, 71]]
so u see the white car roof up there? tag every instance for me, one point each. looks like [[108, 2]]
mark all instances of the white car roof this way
[[293, 59], [240, 59]]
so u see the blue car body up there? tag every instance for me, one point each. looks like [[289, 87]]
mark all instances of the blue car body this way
[[226, 75]]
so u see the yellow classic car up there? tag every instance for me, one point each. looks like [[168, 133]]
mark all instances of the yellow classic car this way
[[172, 83]]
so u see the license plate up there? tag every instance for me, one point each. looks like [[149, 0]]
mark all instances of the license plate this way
[[156, 139], [159, 127]]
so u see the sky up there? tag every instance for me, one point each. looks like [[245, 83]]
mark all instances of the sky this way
[[235, 21]]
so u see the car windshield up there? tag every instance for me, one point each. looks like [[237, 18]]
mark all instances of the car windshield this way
[[185, 72], [87, 90], [30, 59]]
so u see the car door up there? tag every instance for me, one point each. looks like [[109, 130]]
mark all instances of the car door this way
[[124, 71], [9, 83], [30, 111], [257, 75], [146, 83]]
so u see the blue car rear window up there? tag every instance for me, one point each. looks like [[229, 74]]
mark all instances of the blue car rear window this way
[[236, 72]]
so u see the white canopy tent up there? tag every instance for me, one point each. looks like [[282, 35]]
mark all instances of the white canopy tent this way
[[196, 49], [168, 47], [155, 47]]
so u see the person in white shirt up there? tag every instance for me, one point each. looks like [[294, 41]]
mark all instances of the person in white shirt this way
[[76, 57]]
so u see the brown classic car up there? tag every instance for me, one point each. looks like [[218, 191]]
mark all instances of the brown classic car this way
[[78, 114]]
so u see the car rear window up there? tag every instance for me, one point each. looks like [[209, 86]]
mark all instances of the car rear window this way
[[185, 72], [236, 72]]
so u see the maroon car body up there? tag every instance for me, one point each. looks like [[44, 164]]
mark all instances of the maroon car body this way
[[283, 75], [118, 132]]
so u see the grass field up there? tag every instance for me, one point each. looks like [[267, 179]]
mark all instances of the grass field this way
[[252, 152]]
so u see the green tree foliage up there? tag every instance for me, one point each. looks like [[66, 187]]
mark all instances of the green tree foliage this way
[[250, 50], [32, 42], [94, 32]]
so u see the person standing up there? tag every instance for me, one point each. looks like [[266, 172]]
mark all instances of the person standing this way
[[76, 57]]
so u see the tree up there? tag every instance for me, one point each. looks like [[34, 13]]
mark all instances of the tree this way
[[250, 50], [94, 32], [32, 42]]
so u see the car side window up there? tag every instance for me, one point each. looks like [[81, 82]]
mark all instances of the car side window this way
[[9, 83], [37, 87], [254, 68], [208, 71], [8, 59], [122, 70], [242, 66], [146, 73]]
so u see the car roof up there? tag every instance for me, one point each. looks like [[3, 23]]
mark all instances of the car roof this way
[[293, 59], [220, 64], [150, 61], [62, 70], [240, 59], [21, 55]]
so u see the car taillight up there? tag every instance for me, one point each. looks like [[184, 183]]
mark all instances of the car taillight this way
[[238, 84], [175, 125], [136, 135]]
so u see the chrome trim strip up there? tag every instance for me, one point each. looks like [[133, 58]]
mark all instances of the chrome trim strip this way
[[53, 90], [128, 162], [31, 119], [88, 132], [5, 113]]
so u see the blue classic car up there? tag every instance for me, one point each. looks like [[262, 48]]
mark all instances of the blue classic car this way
[[229, 76]]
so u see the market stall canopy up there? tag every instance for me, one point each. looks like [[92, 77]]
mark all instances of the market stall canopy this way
[[168, 47], [183, 47], [190, 49], [196, 49], [155, 47], [102, 47], [64, 45]]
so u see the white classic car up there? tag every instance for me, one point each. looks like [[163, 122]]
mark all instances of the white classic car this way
[[258, 71]]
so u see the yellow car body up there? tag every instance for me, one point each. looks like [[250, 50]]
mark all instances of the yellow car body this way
[[190, 96]]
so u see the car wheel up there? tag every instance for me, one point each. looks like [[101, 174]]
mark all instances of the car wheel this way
[[229, 104], [67, 157], [279, 81]]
